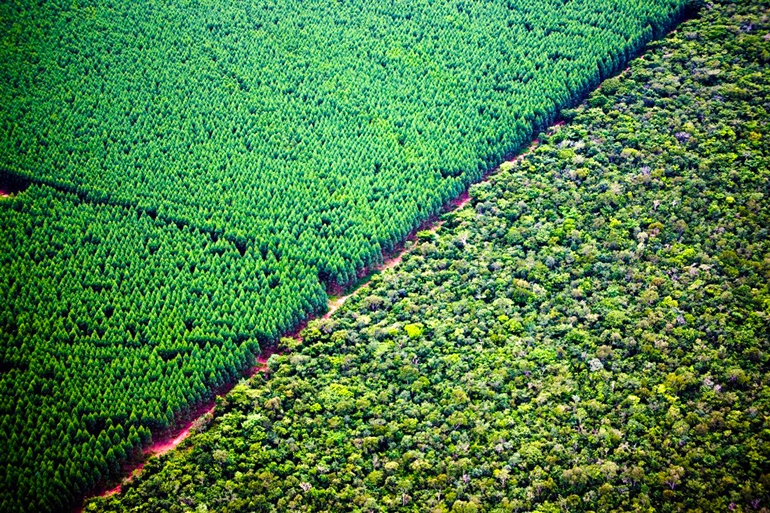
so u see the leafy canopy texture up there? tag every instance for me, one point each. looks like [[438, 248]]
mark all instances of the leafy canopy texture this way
[[113, 325], [590, 334], [321, 132], [201, 169]]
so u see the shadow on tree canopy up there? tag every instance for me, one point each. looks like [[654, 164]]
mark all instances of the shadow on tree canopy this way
[[11, 185]]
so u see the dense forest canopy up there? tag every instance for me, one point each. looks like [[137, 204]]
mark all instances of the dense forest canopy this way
[[114, 324], [321, 132], [592, 333], [202, 169]]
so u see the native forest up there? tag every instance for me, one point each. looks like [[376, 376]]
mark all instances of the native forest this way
[[467, 256]]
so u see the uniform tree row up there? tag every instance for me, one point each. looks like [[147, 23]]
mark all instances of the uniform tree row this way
[[322, 131], [590, 334], [113, 326]]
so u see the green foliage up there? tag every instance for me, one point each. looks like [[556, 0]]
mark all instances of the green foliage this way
[[203, 169], [114, 324], [321, 132], [603, 396], [413, 330]]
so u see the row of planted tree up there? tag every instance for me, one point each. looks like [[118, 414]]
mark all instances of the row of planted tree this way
[[590, 334], [201, 172]]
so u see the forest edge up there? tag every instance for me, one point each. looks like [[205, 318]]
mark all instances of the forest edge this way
[[338, 295]]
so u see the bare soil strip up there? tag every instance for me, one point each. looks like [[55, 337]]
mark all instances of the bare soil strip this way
[[338, 295]]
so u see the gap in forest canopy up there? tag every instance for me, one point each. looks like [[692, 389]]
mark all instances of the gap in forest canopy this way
[[12, 185]]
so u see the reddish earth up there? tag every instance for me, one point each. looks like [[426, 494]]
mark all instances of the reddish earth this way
[[336, 303], [338, 296], [162, 446], [261, 365], [165, 443], [460, 201]]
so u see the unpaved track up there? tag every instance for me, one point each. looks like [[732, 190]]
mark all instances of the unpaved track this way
[[205, 412]]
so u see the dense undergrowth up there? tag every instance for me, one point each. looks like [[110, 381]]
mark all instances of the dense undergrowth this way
[[591, 333], [201, 169]]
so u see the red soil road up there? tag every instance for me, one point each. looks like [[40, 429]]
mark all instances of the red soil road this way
[[337, 295], [163, 444], [166, 443]]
